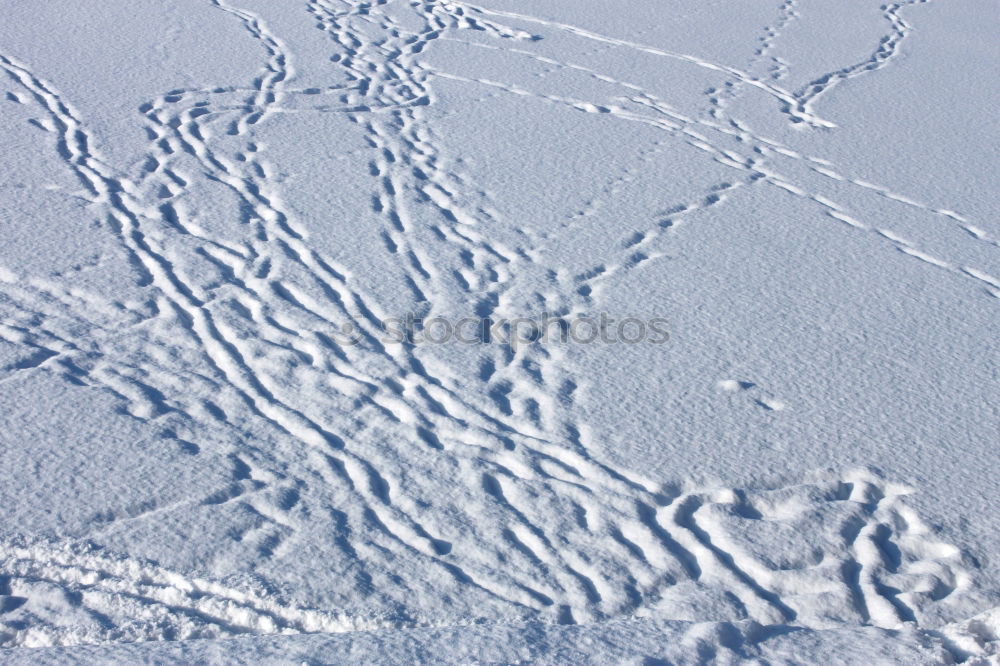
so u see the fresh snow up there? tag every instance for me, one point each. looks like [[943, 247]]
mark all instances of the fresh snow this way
[[222, 220]]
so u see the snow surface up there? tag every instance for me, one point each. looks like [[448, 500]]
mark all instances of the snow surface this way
[[204, 202]]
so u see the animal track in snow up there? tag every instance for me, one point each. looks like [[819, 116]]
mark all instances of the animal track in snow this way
[[238, 341], [765, 400]]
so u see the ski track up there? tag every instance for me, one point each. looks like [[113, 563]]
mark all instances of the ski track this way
[[326, 437]]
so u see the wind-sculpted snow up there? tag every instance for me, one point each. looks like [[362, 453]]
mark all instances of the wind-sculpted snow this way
[[434, 490]]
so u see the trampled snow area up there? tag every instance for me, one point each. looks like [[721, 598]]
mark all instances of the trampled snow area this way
[[559, 331]]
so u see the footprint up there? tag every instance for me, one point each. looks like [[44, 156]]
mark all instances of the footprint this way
[[766, 401], [770, 404], [733, 385]]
